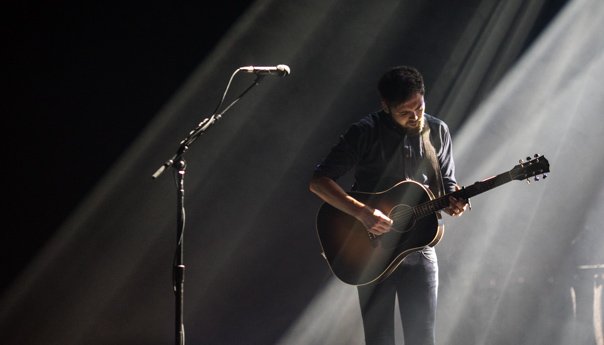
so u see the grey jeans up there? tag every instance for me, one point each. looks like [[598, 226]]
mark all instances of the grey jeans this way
[[415, 282]]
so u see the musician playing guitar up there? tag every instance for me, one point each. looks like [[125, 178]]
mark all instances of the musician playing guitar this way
[[398, 143]]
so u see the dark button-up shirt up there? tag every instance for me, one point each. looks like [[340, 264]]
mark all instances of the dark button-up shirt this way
[[382, 154]]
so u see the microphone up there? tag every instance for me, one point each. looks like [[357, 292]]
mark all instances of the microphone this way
[[280, 70]]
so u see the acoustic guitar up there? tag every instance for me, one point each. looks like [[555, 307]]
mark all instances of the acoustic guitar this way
[[357, 257]]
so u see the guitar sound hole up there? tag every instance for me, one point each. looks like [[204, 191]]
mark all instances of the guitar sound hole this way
[[403, 218]]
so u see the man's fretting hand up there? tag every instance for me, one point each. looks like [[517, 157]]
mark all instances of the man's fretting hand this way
[[457, 206]]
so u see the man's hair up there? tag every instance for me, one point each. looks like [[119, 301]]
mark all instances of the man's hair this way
[[399, 83]]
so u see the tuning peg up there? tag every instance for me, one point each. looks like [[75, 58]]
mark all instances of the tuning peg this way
[[528, 158], [528, 181], [544, 176], [536, 178], [536, 155]]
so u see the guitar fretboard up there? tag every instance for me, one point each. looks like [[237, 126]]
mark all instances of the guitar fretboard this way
[[479, 187]]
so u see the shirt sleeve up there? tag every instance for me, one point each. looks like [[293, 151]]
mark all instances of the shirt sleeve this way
[[445, 157], [344, 155]]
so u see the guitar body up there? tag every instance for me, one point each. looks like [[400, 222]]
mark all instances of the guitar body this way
[[358, 258]]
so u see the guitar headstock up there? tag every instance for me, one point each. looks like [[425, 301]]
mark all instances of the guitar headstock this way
[[538, 165]]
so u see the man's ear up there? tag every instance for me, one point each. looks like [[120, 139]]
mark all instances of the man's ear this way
[[385, 106]]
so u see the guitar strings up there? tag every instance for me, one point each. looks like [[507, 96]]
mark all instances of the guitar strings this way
[[423, 208]]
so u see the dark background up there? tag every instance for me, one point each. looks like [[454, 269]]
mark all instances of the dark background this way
[[84, 81], [81, 80]]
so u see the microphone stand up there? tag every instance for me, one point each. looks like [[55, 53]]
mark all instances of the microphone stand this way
[[178, 162]]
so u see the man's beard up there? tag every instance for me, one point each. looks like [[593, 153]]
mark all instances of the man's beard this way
[[418, 129]]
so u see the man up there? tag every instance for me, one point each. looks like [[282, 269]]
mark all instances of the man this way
[[384, 148]]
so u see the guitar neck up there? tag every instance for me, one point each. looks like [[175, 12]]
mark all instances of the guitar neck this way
[[464, 193]]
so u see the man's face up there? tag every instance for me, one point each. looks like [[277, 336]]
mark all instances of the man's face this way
[[409, 114]]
